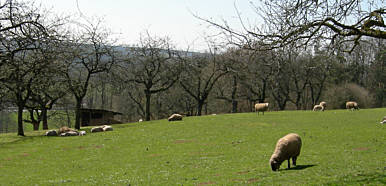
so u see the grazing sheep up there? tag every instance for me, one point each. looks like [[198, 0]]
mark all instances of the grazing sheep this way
[[97, 129], [175, 117], [352, 105], [261, 107], [107, 128], [324, 104], [140, 120], [287, 147], [51, 133], [318, 107]]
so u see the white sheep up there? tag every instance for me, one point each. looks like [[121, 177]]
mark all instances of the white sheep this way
[[261, 107], [175, 117], [318, 107], [82, 133], [352, 105], [287, 147]]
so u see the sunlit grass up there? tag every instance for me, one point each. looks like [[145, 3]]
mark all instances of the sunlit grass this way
[[339, 147]]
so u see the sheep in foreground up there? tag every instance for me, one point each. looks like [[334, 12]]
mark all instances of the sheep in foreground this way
[[175, 117], [287, 147], [324, 104], [318, 107], [261, 107], [352, 105]]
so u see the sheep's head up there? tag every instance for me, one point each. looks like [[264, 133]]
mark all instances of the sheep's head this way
[[275, 164]]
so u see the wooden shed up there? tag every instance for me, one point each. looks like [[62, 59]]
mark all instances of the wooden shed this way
[[91, 117]]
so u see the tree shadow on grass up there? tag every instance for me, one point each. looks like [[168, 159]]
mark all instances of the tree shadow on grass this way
[[300, 167]]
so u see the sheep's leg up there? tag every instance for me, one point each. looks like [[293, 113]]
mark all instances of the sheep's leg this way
[[294, 160], [289, 166]]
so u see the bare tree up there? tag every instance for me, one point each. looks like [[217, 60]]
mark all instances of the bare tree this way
[[200, 75], [300, 22], [152, 66], [89, 52], [21, 32]]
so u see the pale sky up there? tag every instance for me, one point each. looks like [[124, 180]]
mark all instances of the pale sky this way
[[172, 18]]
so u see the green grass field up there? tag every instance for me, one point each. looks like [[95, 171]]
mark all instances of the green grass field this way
[[340, 147]]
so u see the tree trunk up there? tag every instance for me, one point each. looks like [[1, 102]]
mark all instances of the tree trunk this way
[[234, 106], [35, 125], [45, 119], [200, 104], [20, 130], [77, 113], [148, 99]]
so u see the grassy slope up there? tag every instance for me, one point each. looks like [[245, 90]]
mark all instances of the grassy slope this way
[[339, 146]]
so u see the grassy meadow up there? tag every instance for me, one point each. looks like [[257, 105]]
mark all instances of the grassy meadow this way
[[340, 147]]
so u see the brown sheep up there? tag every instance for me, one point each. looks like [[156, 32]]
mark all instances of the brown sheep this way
[[287, 147], [261, 107], [352, 105]]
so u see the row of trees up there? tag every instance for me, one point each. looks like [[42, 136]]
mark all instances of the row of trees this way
[[49, 61]]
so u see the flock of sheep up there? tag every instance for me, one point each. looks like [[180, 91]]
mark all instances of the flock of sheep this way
[[286, 148], [66, 131]]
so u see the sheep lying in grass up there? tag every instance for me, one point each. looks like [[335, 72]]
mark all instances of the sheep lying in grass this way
[[107, 128], [65, 129], [318, 108], [175, 117], [97, 129], [70, 133], [287, 147], [102, 128], [51, 133], [261, 107], [324, 104], [352, 105]]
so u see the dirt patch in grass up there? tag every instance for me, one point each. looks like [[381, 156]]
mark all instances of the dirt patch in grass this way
[[154, 155], [207, 183], [243, 172], [361, 149], [98, 146], [25, 154], [252, 180], [81, 147], [183, 141]]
